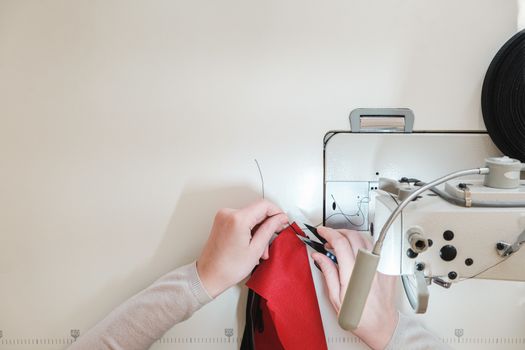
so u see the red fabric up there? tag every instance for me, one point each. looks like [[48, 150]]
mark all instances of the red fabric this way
[[290, 311]]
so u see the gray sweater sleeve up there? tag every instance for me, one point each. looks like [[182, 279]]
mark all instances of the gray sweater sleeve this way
[[410, 334], [141, 320]]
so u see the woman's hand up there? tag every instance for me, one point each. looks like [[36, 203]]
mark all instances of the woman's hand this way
[[238, 240], [380, 316]]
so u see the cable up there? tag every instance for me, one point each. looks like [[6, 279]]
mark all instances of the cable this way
[[503, 98]]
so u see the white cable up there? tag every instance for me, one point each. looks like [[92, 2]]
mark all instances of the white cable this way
[[521, 15]]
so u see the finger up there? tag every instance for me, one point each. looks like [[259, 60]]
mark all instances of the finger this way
[[266, 253], [331, 277], [257, 212], [265, 231], [356, 240], [368, 242], [343, 251]]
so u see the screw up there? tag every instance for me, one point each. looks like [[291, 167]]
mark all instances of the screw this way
[[420, 266], [500, 246]]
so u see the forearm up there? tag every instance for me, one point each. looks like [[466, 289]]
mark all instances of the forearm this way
[[144, 318], [410, 334]]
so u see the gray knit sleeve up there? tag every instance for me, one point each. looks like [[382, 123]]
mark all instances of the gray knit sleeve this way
[[141, 320], [410, 334]]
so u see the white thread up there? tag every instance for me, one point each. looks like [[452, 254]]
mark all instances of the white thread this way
[[261, 175]]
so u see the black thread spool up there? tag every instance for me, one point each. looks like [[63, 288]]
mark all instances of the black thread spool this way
[[503, 98]]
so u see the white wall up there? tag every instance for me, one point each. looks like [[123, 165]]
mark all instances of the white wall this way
[[124, 125]]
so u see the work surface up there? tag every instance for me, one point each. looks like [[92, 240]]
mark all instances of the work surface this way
[[125, 125]]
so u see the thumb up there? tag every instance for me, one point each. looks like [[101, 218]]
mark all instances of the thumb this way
[[265, 231], [331, 277]]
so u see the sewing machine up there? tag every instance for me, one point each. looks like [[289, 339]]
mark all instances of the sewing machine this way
[[433, 243]]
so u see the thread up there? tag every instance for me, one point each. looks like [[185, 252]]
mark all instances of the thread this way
[[348, 216], [261, 175], [486, 269], [503, 97]]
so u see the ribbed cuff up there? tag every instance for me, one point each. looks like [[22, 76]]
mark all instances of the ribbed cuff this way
[[410, 334], [395, 336], [196, 286]]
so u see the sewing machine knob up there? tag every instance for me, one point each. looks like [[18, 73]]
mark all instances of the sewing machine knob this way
[[411, 254], [448, 235], [448, 253]]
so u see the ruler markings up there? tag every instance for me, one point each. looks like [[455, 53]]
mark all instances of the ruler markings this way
[[236, 340]]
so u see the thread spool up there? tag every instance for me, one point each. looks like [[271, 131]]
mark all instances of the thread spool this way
[[503, 98]]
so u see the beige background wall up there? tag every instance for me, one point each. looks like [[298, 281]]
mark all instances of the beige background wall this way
[[124, 125]]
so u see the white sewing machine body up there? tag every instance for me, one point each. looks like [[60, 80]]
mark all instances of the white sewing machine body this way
[[463, 239]]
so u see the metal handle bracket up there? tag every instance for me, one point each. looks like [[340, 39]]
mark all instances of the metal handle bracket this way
[[395, 120]]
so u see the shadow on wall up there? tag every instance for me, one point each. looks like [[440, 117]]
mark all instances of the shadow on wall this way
[[183, 240], [190, 225], [192, 220]]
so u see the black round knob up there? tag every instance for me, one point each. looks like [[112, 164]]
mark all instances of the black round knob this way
[[448, 253], [411, 254], [452, 275], [469, 261], [448, 235]]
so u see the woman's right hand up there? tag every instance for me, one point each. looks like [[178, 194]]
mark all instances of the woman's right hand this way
[[380, 316]]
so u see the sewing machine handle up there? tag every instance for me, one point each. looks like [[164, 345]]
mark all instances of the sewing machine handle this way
[[400, 120], [358, 289]]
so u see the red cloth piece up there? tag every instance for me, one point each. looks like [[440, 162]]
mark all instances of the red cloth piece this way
[[268, 339], [290, 311]]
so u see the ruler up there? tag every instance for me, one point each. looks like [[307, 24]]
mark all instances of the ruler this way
[[457, 341]]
